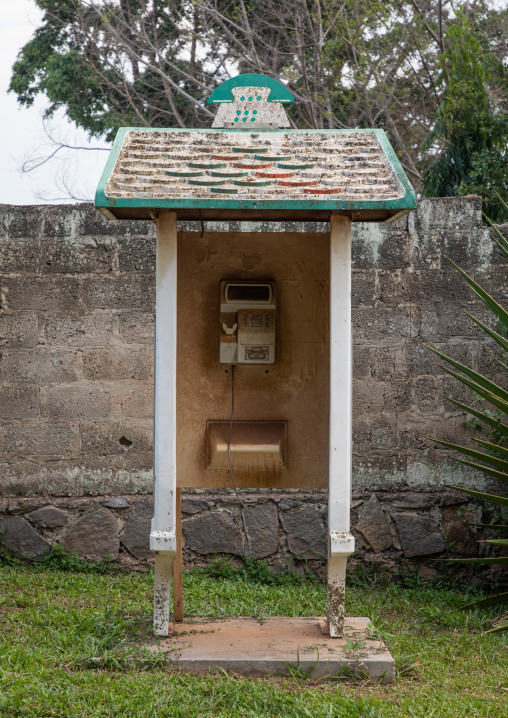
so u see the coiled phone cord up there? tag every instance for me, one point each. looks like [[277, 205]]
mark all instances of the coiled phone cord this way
[[229, 435]]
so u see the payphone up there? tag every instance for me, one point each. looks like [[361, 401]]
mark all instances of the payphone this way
[[247, 337], [247, 322]]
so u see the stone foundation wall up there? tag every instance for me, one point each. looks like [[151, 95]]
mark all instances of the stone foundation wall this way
[[395, 531]]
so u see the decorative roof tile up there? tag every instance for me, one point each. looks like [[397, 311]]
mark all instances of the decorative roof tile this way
[[225, 169]]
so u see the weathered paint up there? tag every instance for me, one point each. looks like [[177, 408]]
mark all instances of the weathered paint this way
[[162, 592], [340, 546], [340, 541], [138, 162], [389, 190], [163, 532], [251, 109]]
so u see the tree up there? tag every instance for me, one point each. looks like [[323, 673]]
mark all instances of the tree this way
[[349, 63], [109, 63], [471, 124]]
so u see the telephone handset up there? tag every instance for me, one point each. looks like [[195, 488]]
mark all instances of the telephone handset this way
[[247, 322]]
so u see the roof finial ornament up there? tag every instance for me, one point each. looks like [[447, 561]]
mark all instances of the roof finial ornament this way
[[251, 102]]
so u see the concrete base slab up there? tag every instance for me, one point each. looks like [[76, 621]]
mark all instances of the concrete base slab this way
[[252, 647]]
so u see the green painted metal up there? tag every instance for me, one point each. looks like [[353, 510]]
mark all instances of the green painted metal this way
[[207, 165], [183, 173], [249, 150], [406, 202], [225, 190], [229, 173], [296, 165], [273, 158], [208, 182], [278, 92], [253, 182]]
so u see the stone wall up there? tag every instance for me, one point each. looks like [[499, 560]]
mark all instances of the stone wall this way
[[394, 531], [76, 344]]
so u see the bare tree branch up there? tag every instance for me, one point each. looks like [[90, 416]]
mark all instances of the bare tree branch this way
[[32, 163]]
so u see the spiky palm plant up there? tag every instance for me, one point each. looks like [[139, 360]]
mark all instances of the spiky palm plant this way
[[494, 458]]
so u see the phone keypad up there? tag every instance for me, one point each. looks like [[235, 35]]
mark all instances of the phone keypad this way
[[256, 320]]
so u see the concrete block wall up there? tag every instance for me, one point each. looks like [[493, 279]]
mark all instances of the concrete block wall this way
[[76, 343], [76, 350]]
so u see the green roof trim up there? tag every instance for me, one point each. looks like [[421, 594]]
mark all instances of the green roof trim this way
[[278, 91]]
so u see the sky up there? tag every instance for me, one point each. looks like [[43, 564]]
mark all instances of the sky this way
[[23, 135]]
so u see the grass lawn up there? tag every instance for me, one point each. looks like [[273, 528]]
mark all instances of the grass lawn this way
[[64, 636]]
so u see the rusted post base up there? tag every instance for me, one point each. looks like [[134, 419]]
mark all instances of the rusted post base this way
[[162, 592], [340, 546]]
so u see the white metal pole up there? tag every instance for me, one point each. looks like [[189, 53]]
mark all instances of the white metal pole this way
[[163, 532], [340, 540]]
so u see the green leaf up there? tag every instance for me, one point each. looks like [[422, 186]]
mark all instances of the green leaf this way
[[493, 447], [498, 629], [496, 542], [489, 302], [479, 495], [503, 465], [495, 336], [502, 244], [488, 395], [495, 527], [501, 199], [505, 366], [483, 381], [491, 472], [497, 560], [489, 420], [484, 602]]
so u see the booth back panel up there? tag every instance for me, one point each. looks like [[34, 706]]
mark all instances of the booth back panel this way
[[295, 389]]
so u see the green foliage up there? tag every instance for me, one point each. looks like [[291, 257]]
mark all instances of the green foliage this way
[[52, 64], [431, 76], [57, 559], [74, 60], [105, 641], [5, 556], [367, 576], [255, 571], [494, 458], [470, 125], [298, 672], [73, 646]]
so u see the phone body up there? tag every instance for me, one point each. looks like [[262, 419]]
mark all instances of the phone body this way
[[247, 324]]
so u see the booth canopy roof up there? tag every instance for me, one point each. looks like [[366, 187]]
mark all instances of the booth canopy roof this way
[[231, 174]]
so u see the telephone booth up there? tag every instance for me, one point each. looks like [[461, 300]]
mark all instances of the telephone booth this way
[[253, 346]]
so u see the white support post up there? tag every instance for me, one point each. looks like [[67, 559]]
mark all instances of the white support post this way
[[163, 532], [340, 540]]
